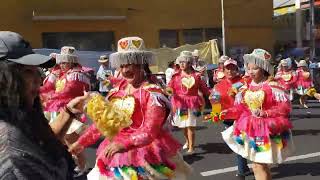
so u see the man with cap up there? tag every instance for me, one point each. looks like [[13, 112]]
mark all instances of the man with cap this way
[[30, 148], [227, 88], [102, 75]]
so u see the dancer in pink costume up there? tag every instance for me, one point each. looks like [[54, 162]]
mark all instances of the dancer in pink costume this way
[[286, 77], [304, 81], [304, 84], [262, 131], [145, 149], [186, 101], [218, 73], [67, 80]]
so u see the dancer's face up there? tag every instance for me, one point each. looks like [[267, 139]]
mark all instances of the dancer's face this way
[[65, 66], [131, 72], [255, 72], [184, 65]]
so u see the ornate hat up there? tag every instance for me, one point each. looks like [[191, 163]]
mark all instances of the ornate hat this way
[[261, 58], [131, 50], [283, 62], [230, 61], [103, 59], [184, 56], [196, 53], [68, 54], [302, 63], [223, 58]]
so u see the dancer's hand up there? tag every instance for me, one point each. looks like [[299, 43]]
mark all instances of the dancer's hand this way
[[259, 113], [76, 104], [256, 112], [113, 148], [76, 148], [224, 112]]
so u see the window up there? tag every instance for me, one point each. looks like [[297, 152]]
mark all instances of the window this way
[[169, 38], [192, 36], [82, 41], [213, 33]]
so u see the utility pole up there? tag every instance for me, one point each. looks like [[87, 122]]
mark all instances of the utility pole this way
[[312, 31], [223, 30], [298, 24]]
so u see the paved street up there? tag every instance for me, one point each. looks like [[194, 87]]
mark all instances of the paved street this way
[[215, 160]]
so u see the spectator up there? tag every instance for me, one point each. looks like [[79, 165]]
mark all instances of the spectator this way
[[102, 75], [29, 148]]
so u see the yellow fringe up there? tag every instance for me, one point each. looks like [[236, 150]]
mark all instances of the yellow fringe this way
[[108, 118]]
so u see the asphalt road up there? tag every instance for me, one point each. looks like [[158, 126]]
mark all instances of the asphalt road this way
[[213, 156]]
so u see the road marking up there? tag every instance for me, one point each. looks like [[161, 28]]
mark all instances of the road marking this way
[[235, 168]]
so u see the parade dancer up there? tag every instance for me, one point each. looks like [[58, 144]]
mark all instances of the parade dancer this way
[[144, 149], [303, 82], [186, 101], [286, 77], [66, 81], [227, 88], [262, 131], [200, 66], [218, 73]]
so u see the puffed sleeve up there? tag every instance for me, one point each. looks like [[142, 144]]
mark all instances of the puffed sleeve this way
[[154, 116], [48, 84], [281, 105], [90, 136]]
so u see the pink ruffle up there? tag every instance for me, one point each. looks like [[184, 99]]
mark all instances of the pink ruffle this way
[[156, 152], [187, 102], [261, 127]]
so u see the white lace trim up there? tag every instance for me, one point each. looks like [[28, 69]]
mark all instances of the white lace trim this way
[[279, 95], [76, 76]]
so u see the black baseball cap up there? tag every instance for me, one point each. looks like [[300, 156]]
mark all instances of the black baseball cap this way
[[14, 48]]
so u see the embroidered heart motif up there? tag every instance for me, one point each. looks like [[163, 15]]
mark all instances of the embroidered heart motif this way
[[305, 75], [286, 77], [267, 56], [60, 84], [254, 99], [123, 44], [125, 104], [136, 43], [188, 82]]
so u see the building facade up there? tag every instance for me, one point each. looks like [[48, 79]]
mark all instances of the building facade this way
[[97, 25]]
